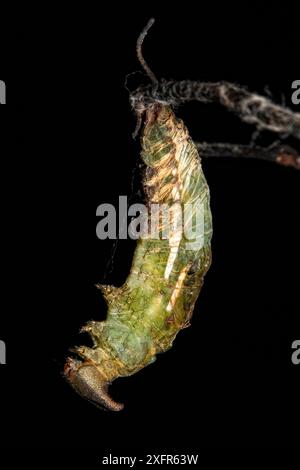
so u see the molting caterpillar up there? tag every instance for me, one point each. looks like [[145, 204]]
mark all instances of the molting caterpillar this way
[[158, 297]]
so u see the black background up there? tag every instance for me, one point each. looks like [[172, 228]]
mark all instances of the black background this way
[[228, 381]]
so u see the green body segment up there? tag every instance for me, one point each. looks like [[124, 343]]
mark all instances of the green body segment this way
[[158, 297]]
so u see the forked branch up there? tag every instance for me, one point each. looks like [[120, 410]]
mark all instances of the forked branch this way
[[251, 108]]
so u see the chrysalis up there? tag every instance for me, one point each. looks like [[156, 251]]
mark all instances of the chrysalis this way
[[158, 297]]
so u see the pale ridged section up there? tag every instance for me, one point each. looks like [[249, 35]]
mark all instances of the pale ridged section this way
[[177, 179]]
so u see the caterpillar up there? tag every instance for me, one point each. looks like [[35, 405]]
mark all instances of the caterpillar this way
[[158, 297]]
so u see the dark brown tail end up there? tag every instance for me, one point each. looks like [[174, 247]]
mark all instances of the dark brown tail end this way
[[87, 380]]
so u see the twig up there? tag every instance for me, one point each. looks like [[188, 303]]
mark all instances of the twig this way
[[250, 107], [281, 154], [140, 109], [139, 53]]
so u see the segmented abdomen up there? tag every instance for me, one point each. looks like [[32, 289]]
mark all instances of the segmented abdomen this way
[[158, 297], [174, 268]]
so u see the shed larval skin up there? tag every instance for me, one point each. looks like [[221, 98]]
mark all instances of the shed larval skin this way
[[157, 300]]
